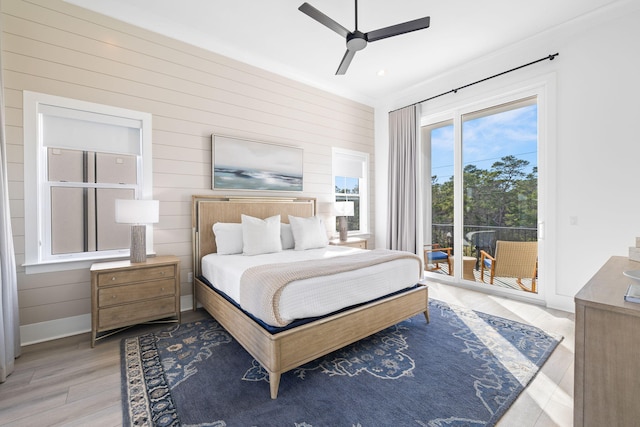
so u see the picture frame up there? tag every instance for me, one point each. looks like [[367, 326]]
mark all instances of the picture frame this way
[[242, 164]]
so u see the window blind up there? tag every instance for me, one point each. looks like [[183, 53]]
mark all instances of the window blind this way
[[88, 131], [348, 165]]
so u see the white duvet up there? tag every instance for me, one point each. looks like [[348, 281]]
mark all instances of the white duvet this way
[[316, 296]]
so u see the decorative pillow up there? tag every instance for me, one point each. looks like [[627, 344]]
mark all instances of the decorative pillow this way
[[260, 236], [286, 236], [308, 233], [228, 237]]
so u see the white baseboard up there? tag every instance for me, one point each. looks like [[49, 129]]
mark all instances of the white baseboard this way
[[55, 329], [561, 302], [60, 328], [186, 302]]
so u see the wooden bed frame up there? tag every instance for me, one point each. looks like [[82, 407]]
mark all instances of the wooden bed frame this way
[[283, 351]]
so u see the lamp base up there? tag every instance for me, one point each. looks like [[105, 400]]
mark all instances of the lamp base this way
[[342, 226], [138, 243]]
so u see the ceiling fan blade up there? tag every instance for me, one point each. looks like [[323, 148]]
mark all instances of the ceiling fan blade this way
[[394, 30], [314, 13], [346, 60]]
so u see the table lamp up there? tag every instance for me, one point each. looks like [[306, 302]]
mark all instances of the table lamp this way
[[138, 213], [343, 210]]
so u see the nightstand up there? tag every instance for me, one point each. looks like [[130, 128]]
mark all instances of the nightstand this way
[[354, 242], [124, 294]]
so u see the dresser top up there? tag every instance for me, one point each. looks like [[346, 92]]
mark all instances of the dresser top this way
[[151, 261], [607, 287]]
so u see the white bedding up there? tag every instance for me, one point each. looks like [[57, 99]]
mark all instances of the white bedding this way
[[316, 296]]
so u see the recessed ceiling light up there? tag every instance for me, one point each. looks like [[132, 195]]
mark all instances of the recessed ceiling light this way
[[382, 72]]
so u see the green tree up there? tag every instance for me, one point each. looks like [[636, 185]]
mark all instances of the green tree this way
[[442, 201], [503, 196]]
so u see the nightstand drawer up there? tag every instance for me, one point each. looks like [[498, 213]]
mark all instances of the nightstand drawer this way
[[114, 295], [128, 314], [353, 242], [362, 244], [135, 275]]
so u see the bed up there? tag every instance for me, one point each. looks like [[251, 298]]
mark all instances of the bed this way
[[282, 349]]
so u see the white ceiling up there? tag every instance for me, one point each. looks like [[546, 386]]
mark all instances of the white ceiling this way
[[276, 36]]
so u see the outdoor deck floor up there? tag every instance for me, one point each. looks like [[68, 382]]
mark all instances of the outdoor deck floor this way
[[503, 282]]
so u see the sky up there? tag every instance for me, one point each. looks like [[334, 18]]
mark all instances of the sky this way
[[486, 140]]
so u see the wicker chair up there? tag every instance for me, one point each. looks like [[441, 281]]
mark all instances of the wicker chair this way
[[512, 259], [434, 255]]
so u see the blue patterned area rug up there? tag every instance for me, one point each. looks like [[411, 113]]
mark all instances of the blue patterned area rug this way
[[465, 368]]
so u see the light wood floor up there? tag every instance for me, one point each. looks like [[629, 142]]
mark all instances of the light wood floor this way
[[66, 382], [548, 400]]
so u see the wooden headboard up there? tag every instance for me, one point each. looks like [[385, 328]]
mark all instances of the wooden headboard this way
[[207, 210]]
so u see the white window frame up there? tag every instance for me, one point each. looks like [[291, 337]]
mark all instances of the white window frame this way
[[337, 154], [38, 211]]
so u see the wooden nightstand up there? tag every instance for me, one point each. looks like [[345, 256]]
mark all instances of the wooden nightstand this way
[[354, 242], [124, 294]]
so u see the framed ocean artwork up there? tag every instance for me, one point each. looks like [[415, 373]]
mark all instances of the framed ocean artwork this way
[[240, 164]]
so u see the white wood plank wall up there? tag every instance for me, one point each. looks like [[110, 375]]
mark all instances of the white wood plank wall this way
[[53, 47]]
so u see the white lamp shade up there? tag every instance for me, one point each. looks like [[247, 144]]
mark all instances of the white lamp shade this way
[[137, 211], [343, 208]]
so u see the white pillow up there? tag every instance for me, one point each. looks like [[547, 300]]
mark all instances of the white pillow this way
[[308, 233], [286, 236], [260, 236], [228, 237]]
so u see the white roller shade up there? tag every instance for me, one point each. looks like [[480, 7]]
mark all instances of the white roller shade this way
[[348, 165], [87, 131]]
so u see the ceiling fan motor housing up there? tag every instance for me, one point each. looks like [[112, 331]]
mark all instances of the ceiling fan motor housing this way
[[356, 40]]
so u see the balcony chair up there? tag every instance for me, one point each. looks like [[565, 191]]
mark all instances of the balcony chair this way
[[434, 255], [512, 259], [478, 241]]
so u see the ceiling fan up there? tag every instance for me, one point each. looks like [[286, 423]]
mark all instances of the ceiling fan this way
[[358, 40]]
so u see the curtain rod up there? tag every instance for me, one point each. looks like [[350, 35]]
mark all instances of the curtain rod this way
[[549, 57]]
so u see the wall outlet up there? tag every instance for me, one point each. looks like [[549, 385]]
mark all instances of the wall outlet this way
[[190, 277]]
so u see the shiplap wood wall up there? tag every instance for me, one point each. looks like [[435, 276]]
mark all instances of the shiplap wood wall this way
[[56, 48]]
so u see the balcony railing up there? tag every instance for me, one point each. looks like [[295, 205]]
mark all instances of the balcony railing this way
[[478, 237]]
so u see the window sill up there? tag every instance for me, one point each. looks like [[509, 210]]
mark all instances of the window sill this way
[[72, 264]]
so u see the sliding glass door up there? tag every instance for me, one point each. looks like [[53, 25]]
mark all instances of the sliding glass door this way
[[481, 195], [438, 152]]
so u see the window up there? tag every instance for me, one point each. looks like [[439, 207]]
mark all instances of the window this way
[[79, 158], [350, 172]]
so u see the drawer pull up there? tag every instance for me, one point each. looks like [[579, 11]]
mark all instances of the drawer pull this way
[[113, 297], [113, 278]]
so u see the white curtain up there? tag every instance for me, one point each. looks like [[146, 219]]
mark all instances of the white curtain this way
[[9, 315], [404, 213]]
